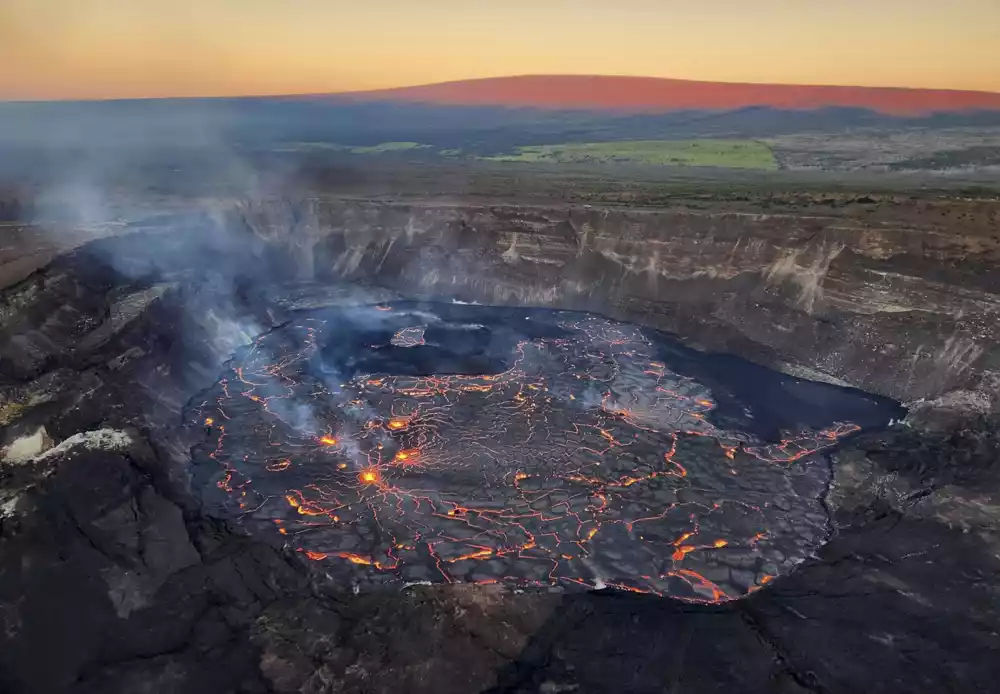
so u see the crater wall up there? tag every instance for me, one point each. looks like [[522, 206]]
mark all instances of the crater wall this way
[[903, 306]]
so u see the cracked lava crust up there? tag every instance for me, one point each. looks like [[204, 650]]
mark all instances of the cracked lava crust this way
[[458, 443]]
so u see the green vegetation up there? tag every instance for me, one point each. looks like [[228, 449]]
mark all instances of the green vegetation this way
[[733, 154], [384, 147]]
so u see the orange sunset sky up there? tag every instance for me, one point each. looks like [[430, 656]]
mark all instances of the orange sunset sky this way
[[52, 49]]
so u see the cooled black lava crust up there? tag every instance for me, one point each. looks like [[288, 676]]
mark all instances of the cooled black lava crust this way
[[432, 442]]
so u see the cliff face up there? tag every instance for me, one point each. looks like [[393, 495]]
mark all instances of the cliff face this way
[[901, 305]]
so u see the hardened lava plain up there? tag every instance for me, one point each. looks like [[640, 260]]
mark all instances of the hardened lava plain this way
[[398, 443]]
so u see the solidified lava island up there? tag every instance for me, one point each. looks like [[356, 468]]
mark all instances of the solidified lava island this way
[[458, 443]]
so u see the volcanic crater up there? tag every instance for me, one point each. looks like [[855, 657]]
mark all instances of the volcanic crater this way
[[410, 442], [149, 457]]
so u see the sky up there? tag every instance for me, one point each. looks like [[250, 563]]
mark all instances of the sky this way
[[68, 49]]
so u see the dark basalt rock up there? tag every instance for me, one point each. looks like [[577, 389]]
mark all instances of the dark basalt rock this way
[[112, 579]]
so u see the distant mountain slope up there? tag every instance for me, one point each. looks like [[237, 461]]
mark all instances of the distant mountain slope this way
[[651, 95]]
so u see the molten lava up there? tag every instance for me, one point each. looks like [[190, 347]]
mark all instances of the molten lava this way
[[369, 476], [584, 461]]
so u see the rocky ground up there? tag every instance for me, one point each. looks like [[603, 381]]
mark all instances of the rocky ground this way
[[112, 579], [954, 149]]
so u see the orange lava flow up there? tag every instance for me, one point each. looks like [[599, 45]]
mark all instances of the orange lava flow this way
[[369, 476], [409, 456], [479, 554], [531, 476]]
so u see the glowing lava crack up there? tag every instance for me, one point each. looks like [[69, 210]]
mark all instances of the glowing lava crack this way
[[480, 445]]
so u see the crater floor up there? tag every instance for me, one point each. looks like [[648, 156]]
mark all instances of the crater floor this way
[[462, 443]]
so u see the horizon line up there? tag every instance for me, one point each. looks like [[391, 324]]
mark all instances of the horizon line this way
[[377, 90]]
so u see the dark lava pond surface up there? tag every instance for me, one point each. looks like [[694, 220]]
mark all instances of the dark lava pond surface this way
[[460, 443]]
